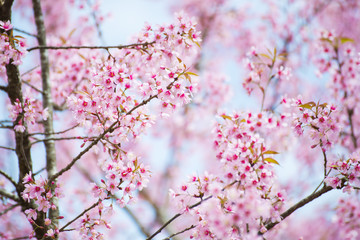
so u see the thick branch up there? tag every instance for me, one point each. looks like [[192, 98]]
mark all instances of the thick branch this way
[[13, 90], [47, 104]]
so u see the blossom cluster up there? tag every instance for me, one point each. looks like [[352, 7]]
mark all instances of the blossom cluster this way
[[90, 223], [338, 56], [320, 120], [243, 193], [344, 171], [116, 95], [12, 48], [27, 114], [155, 68], [263, 68], [42, 194], [124, 175], [347, 218]]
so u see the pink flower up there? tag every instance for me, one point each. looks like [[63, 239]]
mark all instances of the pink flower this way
[[31, 213], [6, 25]]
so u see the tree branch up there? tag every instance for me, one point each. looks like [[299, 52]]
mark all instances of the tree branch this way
[[25, 32], [8, 177], [8, 148], [54, 133], [47, 104], [298, 205], [78, 216], [175, 234], [6, 194], [61, 138], [176, 216], [93, 143], [131, 46], [9, 209]]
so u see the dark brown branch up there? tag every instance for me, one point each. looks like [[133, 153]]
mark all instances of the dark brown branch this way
[[8, 148], [134, 45], [3, 88], [14, 92], [298, 205]]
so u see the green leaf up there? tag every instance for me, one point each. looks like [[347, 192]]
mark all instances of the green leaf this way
[[271, 160], [224, 116], [265, 55], [270, 152], [179, 59], [251, 150], [191, 73], [326, 40], [308, 105], [345, 40]]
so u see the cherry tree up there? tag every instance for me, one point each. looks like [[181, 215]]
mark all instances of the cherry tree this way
[[87, 124]]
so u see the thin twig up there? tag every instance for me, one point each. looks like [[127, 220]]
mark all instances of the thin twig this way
[[128, 211], [8, 177], [97, 24], [30, 70], [176, 216], [178, 233], [137, 221], [25, 32], [54, 133], [19, 238], [4, 193], [7, 148], [78, 216], [9, 209], [60, 139], [111, 128], [32, 86], [134, 45], [36, 173]]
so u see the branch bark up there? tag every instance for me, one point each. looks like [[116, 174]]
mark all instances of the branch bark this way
[[47, 104]]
